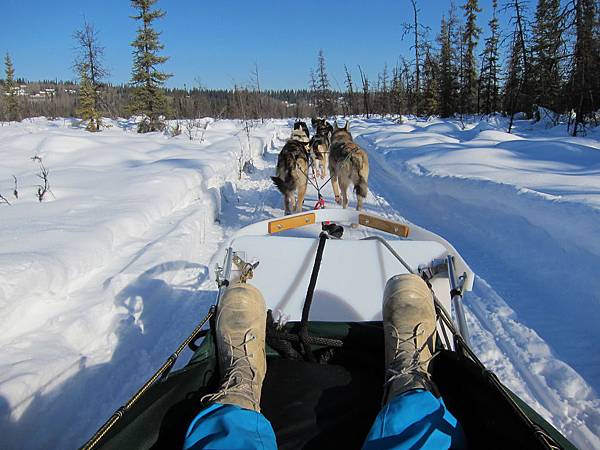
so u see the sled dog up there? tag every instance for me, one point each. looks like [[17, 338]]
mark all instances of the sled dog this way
[[320, 144], [300, 125], [347, 163], [292, 169]]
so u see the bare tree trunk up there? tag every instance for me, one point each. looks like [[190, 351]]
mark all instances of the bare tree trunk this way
[[417, 65], [259, 105], [521, 35], [350, 87], [365, 85]]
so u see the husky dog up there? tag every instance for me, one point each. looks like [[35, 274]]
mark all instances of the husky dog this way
[[347, 163], [300, 125], [320, 144], [292, 170], [321, 123]]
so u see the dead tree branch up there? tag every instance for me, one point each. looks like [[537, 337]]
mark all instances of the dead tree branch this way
[[43, 175], [2, 199], [16, 189]]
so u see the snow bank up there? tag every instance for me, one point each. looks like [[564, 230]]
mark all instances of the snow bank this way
[[109, 273], [524, 210]]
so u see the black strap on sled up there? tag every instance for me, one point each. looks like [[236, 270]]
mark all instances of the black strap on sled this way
[[281, 340], [303, 331]]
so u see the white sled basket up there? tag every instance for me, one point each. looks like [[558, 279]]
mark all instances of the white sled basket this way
[[353, 270]]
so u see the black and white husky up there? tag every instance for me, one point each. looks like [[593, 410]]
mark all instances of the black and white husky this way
[[291, 174]]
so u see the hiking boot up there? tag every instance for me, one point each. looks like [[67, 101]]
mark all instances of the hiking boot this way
[[240, 338], [409, 332]]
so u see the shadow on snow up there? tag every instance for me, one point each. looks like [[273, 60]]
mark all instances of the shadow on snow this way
[[159, 316]]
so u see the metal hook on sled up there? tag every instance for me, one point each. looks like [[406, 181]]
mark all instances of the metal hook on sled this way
[[456, 292], [246, 269]]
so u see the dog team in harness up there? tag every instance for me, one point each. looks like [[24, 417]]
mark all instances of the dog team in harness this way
[[302, 159]]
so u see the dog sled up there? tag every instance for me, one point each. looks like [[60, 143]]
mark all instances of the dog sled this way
[[322, 274]]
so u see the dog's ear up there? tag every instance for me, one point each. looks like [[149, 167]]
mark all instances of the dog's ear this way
[[347, 125]]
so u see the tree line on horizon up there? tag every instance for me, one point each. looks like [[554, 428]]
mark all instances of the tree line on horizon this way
[[550, 62]]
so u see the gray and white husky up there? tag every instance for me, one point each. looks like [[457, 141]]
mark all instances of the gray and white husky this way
[[347, 163]]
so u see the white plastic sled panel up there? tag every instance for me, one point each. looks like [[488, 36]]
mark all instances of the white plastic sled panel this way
[[351, 280]]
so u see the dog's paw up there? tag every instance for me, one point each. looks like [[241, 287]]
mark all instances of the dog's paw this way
[[338, 199]]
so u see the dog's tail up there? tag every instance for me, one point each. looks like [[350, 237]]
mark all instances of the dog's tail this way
[[362, 187], [361, 165], [284, 186], [284, 178]]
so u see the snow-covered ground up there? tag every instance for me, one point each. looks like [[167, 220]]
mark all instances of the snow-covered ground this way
[[100, 282]]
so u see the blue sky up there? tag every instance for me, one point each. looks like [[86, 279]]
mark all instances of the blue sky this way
[[218, 42]]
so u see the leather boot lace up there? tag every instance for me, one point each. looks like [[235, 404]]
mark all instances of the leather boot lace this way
[[239, 376], [398, 367]]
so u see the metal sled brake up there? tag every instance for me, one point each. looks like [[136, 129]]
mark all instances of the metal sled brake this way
[[325, 364]]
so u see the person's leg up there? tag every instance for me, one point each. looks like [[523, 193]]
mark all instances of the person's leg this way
[[415, 420], [233, 420], [412, 416], [229, 426]]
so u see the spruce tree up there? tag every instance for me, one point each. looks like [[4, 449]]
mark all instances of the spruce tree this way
[[148, 99], [430, 83], [384, 99], [546, 54], [11, 92], [489, 85], [513, 86], [89, 66], [448, 89], [585, 64], [470, 37], [596, 81], [397, 92], [521, 39], [460, 50], [87, 100], [323, 89]]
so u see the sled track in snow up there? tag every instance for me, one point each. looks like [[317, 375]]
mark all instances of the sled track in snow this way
[[506, 334], [525, 363]]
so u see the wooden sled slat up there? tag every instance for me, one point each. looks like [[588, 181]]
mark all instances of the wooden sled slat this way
[[388, 226], [287, 223]]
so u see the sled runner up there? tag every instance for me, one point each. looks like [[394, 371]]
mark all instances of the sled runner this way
[[325, 358]]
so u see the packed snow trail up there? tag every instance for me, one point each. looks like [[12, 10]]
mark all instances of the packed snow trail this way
[[130, 280]]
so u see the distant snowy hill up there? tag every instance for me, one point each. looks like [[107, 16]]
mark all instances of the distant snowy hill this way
[[102, 280]]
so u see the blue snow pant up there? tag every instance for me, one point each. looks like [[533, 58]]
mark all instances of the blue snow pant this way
[[413, 420]]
